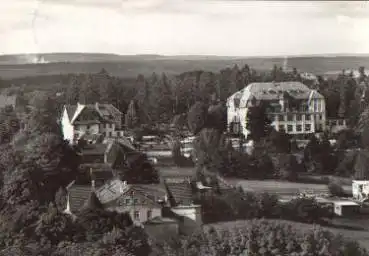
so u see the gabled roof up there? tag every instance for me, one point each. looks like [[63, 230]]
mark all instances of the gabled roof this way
[[93, 113], [94, 149], [78, 194], [179, 193], [100, 171], [71, 109], [92, 202], [272, 91], [116, 188]]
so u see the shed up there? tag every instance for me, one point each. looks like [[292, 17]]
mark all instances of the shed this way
[[346, 208]]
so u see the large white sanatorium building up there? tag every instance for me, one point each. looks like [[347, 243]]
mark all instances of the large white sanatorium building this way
[[292, 107]]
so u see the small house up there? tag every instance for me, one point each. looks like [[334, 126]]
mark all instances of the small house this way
[[78, 120], [346, 208]]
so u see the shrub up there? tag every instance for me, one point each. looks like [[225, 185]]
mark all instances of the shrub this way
[[336, 189], [264, 237]]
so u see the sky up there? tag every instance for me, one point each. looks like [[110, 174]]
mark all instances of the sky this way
[[184, 27]]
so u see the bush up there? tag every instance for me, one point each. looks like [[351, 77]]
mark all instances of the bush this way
[[263, 237], [236, 204], [336, 189]]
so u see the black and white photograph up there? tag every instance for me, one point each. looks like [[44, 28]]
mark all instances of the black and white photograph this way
[[184, 128]]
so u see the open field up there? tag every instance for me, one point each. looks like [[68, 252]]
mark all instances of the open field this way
[[281, 188], [128, 66], [359, 235], [176, 171]]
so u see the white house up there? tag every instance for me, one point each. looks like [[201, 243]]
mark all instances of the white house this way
[[80, 119], [291, 106]]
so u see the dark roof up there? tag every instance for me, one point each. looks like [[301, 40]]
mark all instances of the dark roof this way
[[94, 149], [152, 191], [100, 171], [160, 220], [71, 109], [92, 202], [94, 113], [361, 166], [179, 193], [78, 194]]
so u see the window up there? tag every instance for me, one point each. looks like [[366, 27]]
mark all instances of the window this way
[[149, 214], [307, 127], [289, 128], [128, 201], [276, 118], [340, 122], [289, 117], [281, 128], [299, 128], [88, 127], [298, 117], [110, 134], [307, 117], [136, 215], [320, 117], [281, 117], [107, 125], [135, 201]]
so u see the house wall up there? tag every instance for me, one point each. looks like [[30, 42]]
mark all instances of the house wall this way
[[360, 188], [191, 218], [67, 127], [162, 232], [142, 209], [316, 111], [118, 134], [342, 210], [108, 129]]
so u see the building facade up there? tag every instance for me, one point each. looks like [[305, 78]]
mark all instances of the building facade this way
[[78, 120], [290, 106]]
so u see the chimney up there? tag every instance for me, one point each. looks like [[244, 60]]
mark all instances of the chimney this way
[[123, 186], [92, 179]]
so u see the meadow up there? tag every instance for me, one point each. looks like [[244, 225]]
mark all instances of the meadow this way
[[132, 66], [360, 235]]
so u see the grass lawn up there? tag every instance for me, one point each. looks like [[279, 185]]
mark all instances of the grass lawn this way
[[280, 187], [359, 235], [176, 171], [270, 186], [324, 179]]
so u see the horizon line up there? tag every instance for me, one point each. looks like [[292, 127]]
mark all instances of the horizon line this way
[[201, 55]]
